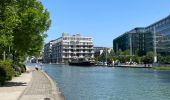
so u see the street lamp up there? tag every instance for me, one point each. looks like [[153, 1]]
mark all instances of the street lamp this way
[[154, 45]]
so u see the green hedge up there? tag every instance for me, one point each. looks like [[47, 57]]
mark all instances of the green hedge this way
[[3, 75], [23, 68], [6, 71], [19, 68]]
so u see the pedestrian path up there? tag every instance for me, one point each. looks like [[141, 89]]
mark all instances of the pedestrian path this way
[[14, 88], [41, 87]]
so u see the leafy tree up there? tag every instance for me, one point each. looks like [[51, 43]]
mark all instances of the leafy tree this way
[[22, 27], [164, 59], [121, 59], [8, 21], [141, 52], [34, 21], [126, 52], [102, 57], [148, 58], [119, 52], [135, 59], [23, 24]]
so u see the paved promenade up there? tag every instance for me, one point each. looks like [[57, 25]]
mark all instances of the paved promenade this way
[[14, 88], [41, 87]]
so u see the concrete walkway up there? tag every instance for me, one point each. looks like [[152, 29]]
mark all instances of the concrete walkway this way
[[14, 88], [41, 87]]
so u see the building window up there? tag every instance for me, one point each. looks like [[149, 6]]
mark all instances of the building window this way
[[167, 20]]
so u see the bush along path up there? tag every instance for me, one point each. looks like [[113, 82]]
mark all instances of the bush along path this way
[[12, 89], [9, 70]]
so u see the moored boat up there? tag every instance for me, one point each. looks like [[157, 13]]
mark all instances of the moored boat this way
[[81, 62]]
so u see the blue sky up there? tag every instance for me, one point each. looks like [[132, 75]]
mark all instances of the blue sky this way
[[103, 20]]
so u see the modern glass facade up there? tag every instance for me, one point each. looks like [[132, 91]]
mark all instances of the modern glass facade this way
[[134, 41], [141, 40], [162, 31]]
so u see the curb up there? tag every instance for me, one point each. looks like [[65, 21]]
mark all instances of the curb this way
[[57, 95]]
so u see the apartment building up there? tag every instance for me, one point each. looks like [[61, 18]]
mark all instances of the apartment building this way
[[68, 46], [47, 56]]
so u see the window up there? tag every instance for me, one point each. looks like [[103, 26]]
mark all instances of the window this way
[[167, 20], [64, 38], [157, 25]]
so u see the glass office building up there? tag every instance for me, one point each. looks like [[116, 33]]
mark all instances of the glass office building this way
[[141, 40]]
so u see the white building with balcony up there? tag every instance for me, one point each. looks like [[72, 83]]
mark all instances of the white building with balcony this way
[[69, 46]]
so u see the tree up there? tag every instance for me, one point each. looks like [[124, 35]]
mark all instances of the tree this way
[[126, 52], [102, 57], [8, 21], [34, 21], [148, 58], [22, 26], [119, 52], [135, 58]]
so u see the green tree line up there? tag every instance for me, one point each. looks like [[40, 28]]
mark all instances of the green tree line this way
[[124, 56], [23, 24]]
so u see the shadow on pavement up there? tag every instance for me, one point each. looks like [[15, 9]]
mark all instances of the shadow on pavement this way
[[11, 84]]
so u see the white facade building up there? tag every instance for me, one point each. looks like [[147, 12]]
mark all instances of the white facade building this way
[[69, 46]]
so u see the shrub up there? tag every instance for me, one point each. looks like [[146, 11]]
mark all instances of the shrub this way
[[17, 73], [6, 71], [19, 68], [23, 68], [2, 75]]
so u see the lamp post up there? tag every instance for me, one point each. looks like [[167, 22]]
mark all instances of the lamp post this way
[[154, 45], [130, 40], [106, 56]]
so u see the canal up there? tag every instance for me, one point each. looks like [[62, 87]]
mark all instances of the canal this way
[[109, 83]]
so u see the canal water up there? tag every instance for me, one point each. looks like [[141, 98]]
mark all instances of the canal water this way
[[109, 83]]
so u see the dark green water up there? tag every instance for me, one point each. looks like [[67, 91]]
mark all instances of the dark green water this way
[[103, 83]]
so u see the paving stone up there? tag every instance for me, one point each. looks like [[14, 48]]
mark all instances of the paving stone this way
[[39, 88]]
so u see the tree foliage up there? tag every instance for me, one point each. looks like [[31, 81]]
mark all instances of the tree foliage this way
[[148, 59], [22, 26]]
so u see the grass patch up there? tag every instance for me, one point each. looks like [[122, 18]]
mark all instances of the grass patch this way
[[162, 68]]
